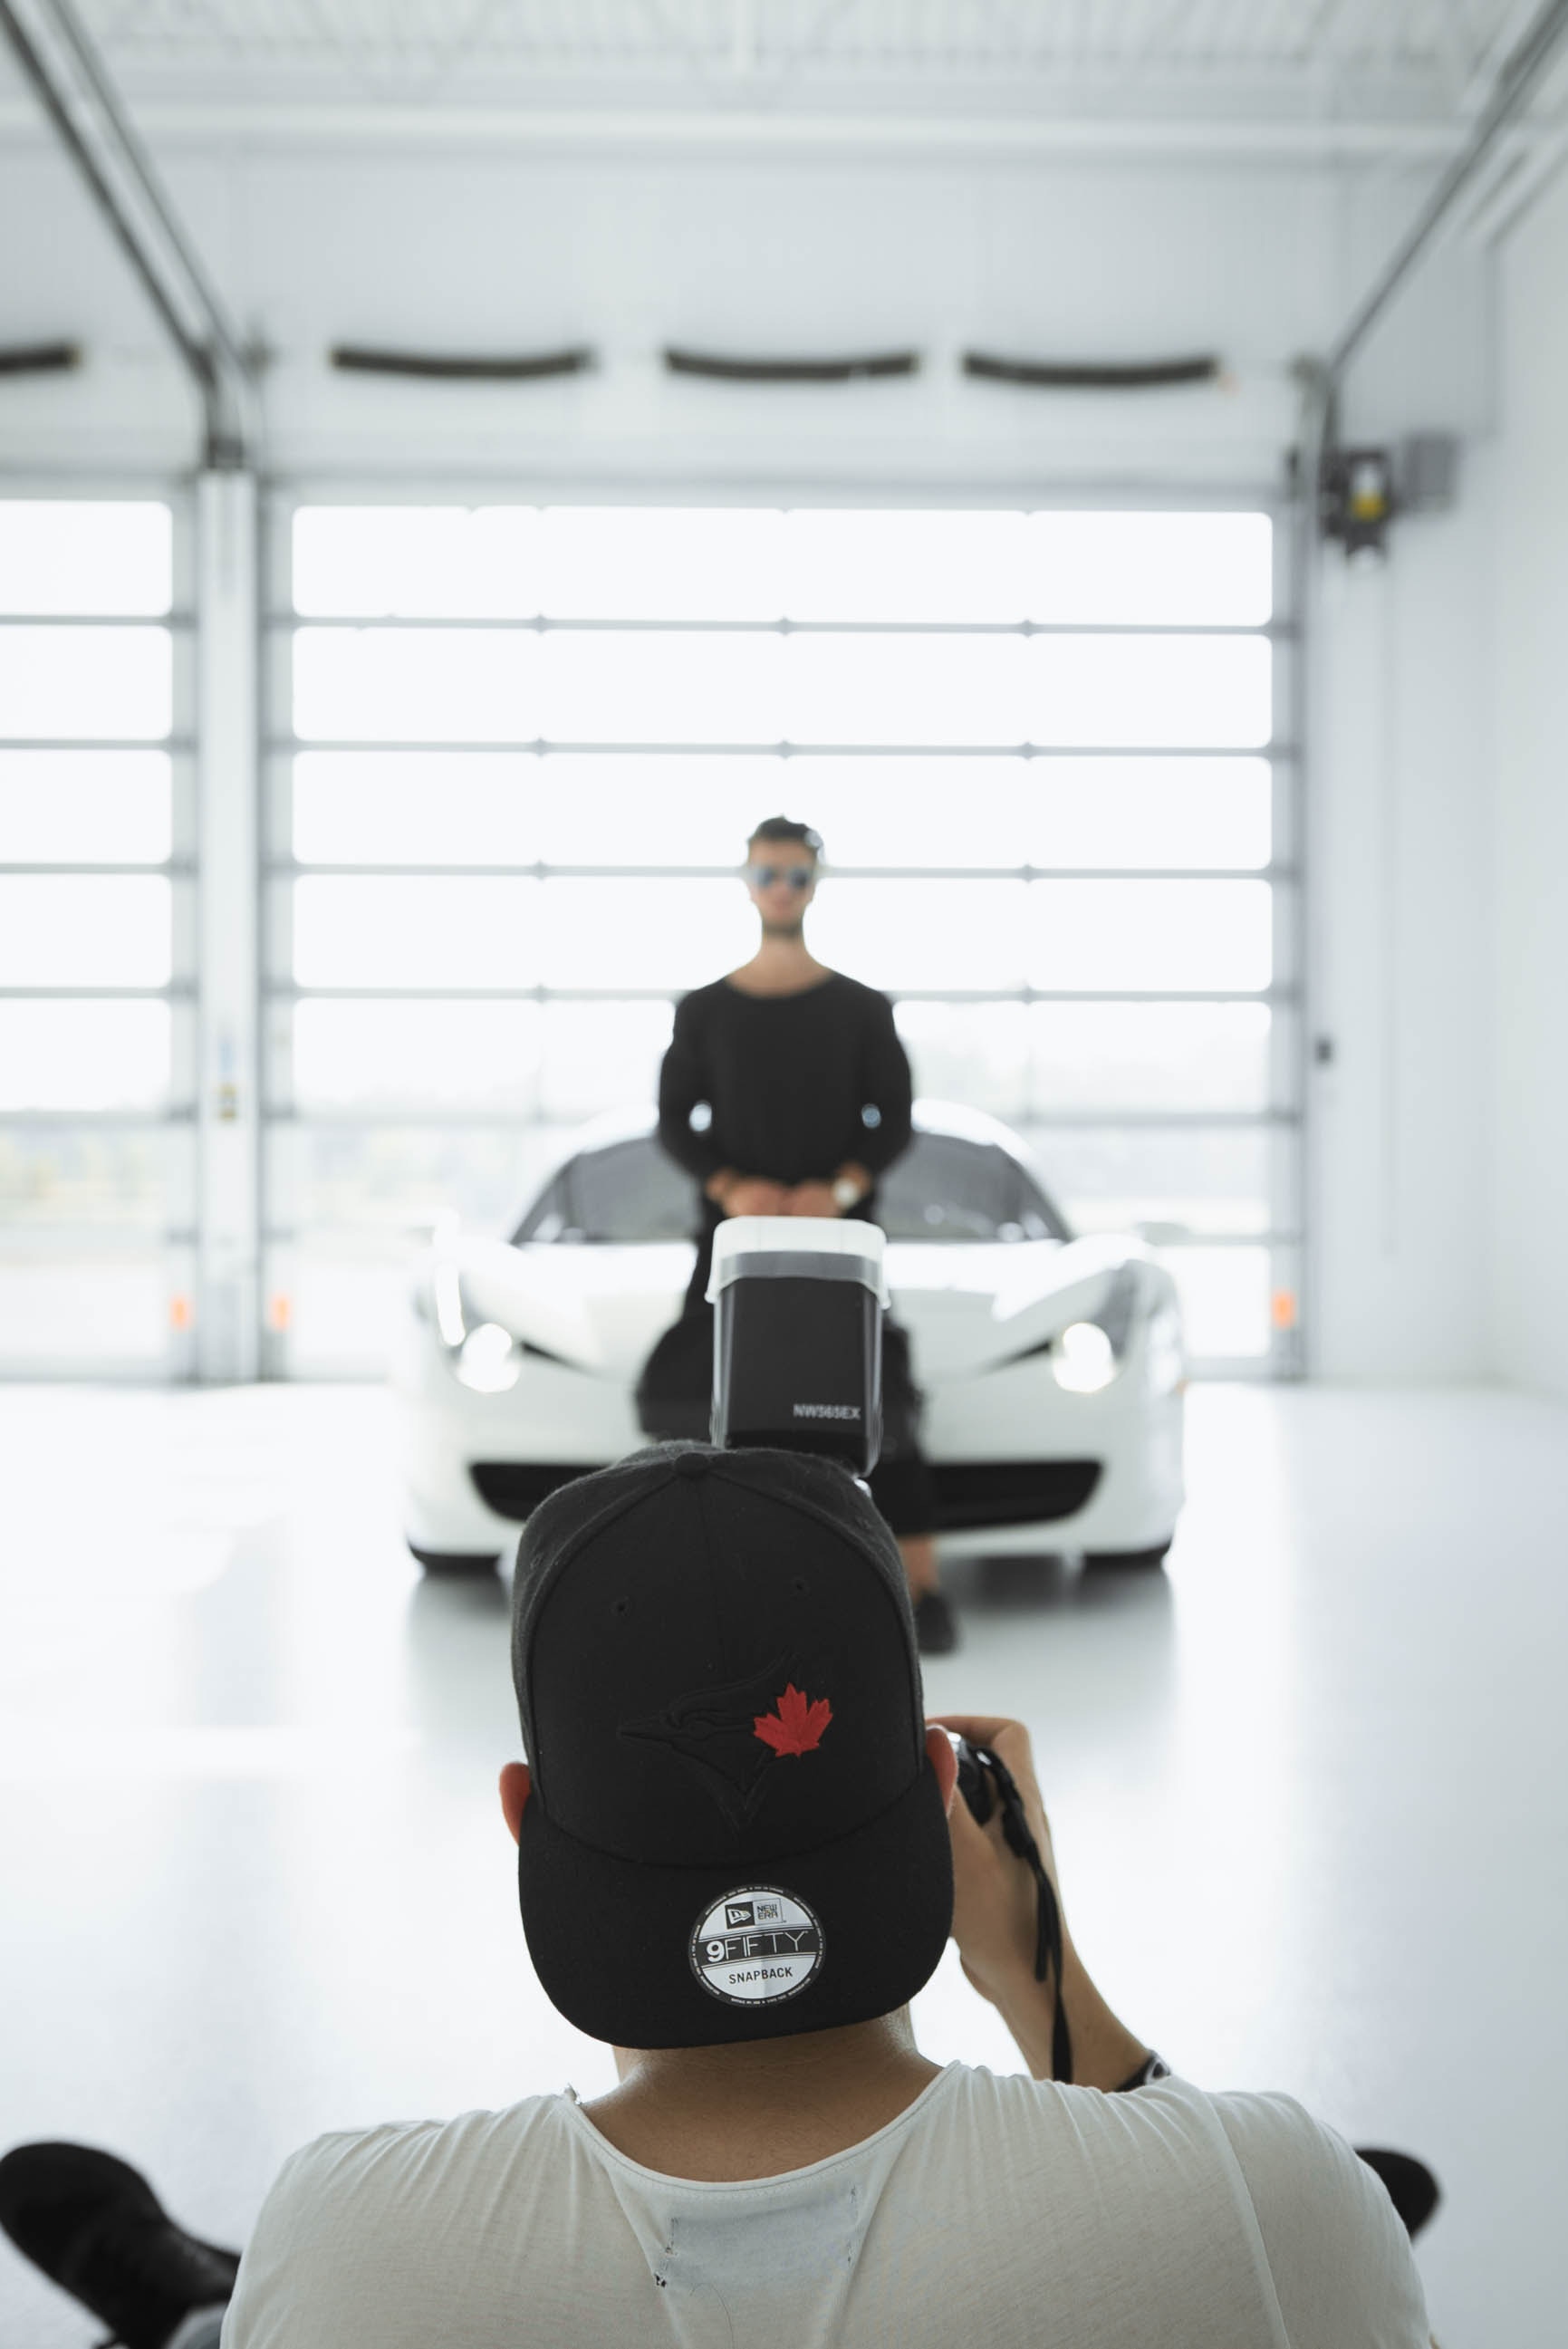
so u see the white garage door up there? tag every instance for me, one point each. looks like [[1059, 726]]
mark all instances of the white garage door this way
[[514, 752], [97, 930]]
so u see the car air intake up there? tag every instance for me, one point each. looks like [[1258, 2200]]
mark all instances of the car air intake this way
[[973, 1494], [514, 1488]]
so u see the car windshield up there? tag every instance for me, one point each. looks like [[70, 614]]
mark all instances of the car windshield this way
[[943, 1188]]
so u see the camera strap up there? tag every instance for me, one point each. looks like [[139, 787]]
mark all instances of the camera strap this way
[[1020, 1840]]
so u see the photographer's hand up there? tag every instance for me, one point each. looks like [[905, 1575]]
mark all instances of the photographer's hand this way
[[747, 1195], [821, 1198], [811, 1199], [993, 1924]]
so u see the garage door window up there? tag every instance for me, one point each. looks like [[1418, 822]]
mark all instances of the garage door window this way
[[96, 871]]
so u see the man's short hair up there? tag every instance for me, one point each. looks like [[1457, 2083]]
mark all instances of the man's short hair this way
[[782, 829]]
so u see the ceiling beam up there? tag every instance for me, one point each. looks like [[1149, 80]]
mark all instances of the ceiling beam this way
[[1520, 77], [1003, 137], [80, 104]]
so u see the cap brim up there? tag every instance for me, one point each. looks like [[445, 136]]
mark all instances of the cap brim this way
[[612, 1938]]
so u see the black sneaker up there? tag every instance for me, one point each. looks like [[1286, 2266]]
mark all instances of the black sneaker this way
[[1412, 2189], [96, 2229], [936, 1631]]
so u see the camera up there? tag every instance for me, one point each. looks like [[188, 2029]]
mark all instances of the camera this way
[[797, 1335]]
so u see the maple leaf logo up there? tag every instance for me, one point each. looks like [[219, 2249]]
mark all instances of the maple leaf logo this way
[[794, 1726]]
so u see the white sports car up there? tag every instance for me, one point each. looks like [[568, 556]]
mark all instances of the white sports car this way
[[1052, 1367]]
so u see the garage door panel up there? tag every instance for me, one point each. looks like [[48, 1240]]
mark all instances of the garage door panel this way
[[58, 1054], [1199, 1179], [94, 930], [85, 807], [416, 807], [1141, 1057], [99, 685], [1161, 570], [1039, 748]]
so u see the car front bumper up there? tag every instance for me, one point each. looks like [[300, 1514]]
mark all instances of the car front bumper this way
[[1099, 1472]]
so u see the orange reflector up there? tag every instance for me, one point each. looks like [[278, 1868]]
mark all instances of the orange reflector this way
[[1284, 1308], [179, 1314], [280, 1312]]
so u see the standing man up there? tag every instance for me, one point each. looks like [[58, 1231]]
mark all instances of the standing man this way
[[807, 1091]]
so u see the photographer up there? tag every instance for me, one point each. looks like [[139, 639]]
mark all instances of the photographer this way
[[740, 1858], [807, 1088]]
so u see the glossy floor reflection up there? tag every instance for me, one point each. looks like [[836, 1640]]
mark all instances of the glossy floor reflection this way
[[1307, 1792]]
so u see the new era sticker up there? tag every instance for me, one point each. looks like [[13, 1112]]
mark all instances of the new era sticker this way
[[752, 1912], [755, 1945]]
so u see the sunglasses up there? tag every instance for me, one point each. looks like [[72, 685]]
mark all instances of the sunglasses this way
[[763, 876]]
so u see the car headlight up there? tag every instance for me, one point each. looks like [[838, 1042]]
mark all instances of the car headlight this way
[[490, 1360], [1084, 1359]]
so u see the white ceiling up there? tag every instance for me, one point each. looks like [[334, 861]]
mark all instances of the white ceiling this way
[[1400, 62]]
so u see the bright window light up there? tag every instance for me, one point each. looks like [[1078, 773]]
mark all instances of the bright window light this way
[[416, 807], [652, 562], [94, 1310], [1122, 935], [417, 562], [1150, 811], [414, 685], [88, 1056], [1224, 1300], [85, 684], [57, 1179], [910, 735], [905, 566], [905, 688], [71, 554], [88, 807], [923, 934], [427, 933], [601, 1056], [433, 1055], [1163, 570], [616, 808], [1176, 692], [371, 1186], [97, 931], [1201, 1180], [1151, 1056], [926, 811], [643, 934], [972, 1053], [612, 685]]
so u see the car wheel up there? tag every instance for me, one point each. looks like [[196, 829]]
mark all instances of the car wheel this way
[[451, 1564], [1142, 1561]]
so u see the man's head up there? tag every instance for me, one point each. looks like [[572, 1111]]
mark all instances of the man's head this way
[[733, 1827], [782, 861]]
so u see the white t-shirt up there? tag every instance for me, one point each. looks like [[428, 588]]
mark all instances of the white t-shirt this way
[[1002, 2211]]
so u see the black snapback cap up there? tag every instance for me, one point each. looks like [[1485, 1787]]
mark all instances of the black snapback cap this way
[[733, 1830]]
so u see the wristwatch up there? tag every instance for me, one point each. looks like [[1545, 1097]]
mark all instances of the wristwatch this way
[[847, 1193], [1153, 2067]]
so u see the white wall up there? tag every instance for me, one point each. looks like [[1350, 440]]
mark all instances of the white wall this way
[[1398, 849], [529, 246], [525, 246], [1529, 1101], [1399, 855]]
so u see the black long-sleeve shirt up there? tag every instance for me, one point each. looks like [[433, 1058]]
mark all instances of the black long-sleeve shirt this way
[[797, 1085]]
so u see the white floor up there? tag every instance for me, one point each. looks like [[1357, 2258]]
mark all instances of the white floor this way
[[1308, 1794]]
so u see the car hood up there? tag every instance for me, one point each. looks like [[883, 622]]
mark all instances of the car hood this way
[[969, 1308]]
